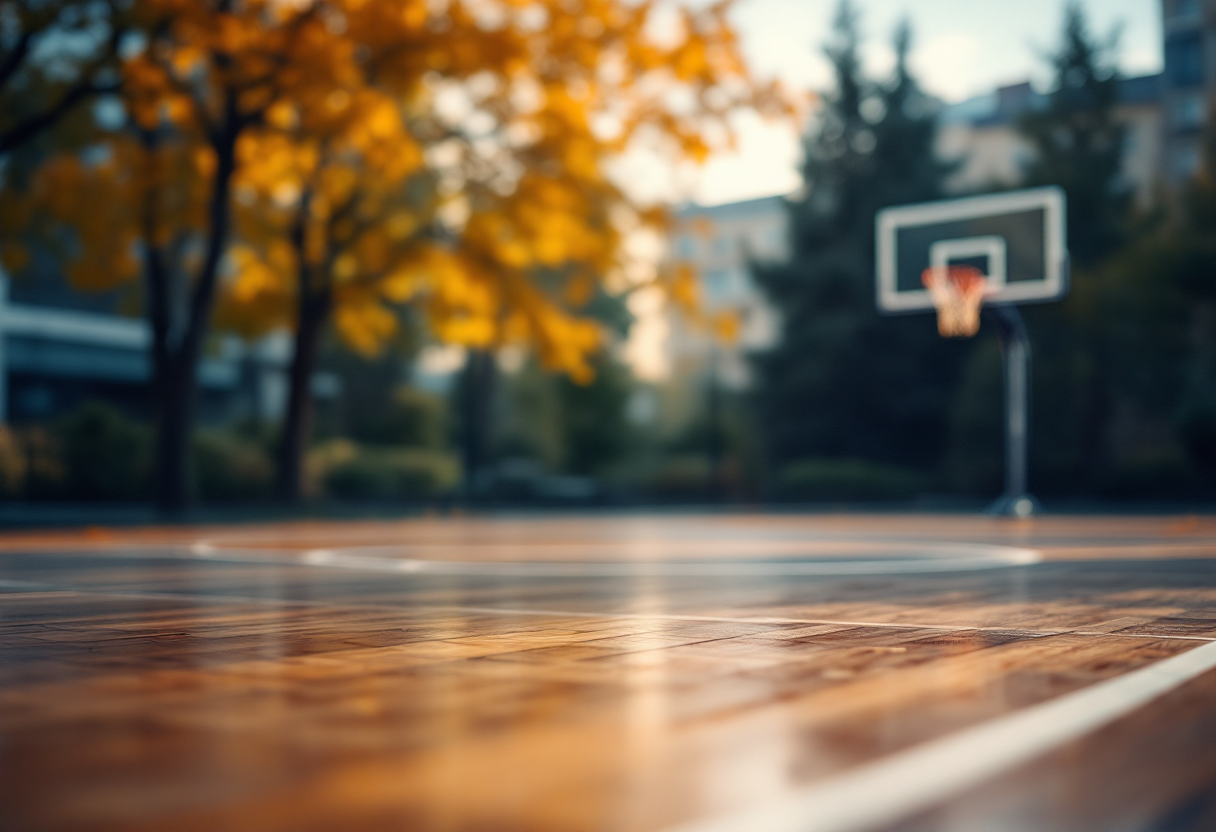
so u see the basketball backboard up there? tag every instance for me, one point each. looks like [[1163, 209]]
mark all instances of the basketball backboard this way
[[1016, 240]]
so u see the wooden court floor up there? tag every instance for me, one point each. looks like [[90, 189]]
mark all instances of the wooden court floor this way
[[673, 673]]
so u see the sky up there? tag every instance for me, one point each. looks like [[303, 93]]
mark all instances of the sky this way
[[961, 48]]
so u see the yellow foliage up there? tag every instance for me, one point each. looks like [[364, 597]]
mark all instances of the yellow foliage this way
[[14, 256], [365, 325], [684, 288], [725, 326], [445, 154]]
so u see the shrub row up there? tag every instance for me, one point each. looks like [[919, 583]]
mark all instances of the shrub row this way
[[97, 453], [352, 472]]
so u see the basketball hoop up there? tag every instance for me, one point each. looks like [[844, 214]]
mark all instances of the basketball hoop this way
[[955, 255], [958, 293]]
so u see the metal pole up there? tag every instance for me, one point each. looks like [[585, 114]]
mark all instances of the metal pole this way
[[713, 417], [3, 355], [1015, 344]]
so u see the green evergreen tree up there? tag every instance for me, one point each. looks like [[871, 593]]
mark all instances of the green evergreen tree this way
[[905, 163], [844, 383], [1078, 143], [1111, 365], [1179, 269]]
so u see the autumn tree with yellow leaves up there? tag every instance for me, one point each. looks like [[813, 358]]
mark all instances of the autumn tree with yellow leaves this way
[[198, 78], [309, 162], [465, 169]]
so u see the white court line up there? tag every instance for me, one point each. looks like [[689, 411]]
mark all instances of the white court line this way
[[914, 559], [901, 784], [944, 557]]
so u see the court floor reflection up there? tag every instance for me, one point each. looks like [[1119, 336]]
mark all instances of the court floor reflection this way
[[145, 684]]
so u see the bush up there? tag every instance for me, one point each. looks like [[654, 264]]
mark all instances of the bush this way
[[414, 419], [378, 473], [13, 464], [681, 476], [105, 456], [230, 467], [44, 476], [1197, 429], [96, 453], [1152, 476], [848, 479], [399, 415]]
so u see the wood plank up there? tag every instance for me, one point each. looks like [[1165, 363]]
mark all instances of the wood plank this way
[[148, 688]]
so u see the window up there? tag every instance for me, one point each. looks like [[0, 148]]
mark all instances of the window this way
[[717, 284], [36, 401], [1184, 59], [1185, 161], [1187, 8], [1187, 113], [776, 241], [642, 407]]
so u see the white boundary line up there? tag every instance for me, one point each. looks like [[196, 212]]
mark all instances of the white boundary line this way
[[906, 782], [901, 784], [701, 569], [940, 557]]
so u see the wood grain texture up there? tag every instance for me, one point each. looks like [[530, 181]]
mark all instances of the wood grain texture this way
[[217, 678]]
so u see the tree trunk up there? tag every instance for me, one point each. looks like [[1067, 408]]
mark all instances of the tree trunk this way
[[714, 435], [174, 418], [314, 312], [477, 395], [167, 411], [176, 379]]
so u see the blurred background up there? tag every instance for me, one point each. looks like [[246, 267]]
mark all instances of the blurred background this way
[[384, 254]]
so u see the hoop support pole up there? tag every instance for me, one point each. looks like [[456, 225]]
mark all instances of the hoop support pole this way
[[1015, 344]]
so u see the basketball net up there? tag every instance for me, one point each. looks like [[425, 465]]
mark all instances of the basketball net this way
[[958, 293]]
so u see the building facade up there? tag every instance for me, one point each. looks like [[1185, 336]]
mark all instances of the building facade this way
[[59, 349], [721, 242], [981, 136], [1189, 83]]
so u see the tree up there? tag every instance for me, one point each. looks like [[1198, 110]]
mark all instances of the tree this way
[[1078, 143], [844, 383], [220, 67], [55, 55], [1192, 265], [1122, 367], [339, 224], [905, 159], [196, 83], [498, 219], [323, 135]]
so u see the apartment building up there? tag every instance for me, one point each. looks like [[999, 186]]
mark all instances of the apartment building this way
[[60, 348], [981, 135], [720, 242], [1189, 83]]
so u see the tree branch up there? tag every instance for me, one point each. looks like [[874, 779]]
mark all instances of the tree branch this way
[[77, 92], [12, 61]]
